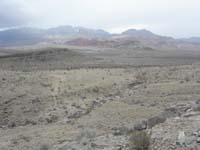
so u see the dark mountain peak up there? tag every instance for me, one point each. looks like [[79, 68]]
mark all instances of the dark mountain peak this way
[[140, 33]]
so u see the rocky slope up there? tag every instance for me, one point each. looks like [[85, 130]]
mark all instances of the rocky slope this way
[[97, 108]]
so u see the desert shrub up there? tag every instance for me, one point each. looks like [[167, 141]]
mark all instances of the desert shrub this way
[[139, 140], [133, 84], [95, 90], [44, 147], [86, 134], [141, 77], [88, 110], [51, 118]]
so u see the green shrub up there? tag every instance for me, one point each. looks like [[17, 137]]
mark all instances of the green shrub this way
[[139, 140]]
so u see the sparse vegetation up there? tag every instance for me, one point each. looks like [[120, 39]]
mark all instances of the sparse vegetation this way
[[139, 140], [52, 106], [44, 147], [51, 118], [141, 77]]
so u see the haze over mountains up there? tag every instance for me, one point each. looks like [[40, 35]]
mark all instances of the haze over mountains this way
[[80, 36], [27, 34]]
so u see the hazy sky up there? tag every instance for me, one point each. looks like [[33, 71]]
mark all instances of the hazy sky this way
[[179, 18]]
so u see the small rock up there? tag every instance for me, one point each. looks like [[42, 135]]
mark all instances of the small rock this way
[[141, 125], [190, 140], [181, 140], [198, 140], [117, 132], [195, 133]]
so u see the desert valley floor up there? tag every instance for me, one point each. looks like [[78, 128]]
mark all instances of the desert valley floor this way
[[74, 99]]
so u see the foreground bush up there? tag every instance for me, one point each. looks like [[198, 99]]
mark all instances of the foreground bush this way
[[139, 140]]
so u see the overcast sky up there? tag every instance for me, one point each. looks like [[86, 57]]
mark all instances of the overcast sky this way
[[178, 18]]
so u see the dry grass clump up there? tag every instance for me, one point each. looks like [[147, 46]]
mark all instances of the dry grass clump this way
[[139, 140]]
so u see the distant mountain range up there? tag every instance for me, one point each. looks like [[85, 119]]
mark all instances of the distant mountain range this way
[[80, 36], [32, 35], [192, 39]]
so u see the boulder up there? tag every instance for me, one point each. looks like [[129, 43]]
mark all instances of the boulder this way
[[198, 140], [141, 125], [181, 140]]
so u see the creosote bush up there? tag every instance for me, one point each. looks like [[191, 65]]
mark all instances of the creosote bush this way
[[139, 140], [141, 77]]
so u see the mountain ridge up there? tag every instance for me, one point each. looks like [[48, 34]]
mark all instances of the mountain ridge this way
[[94, 37]]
